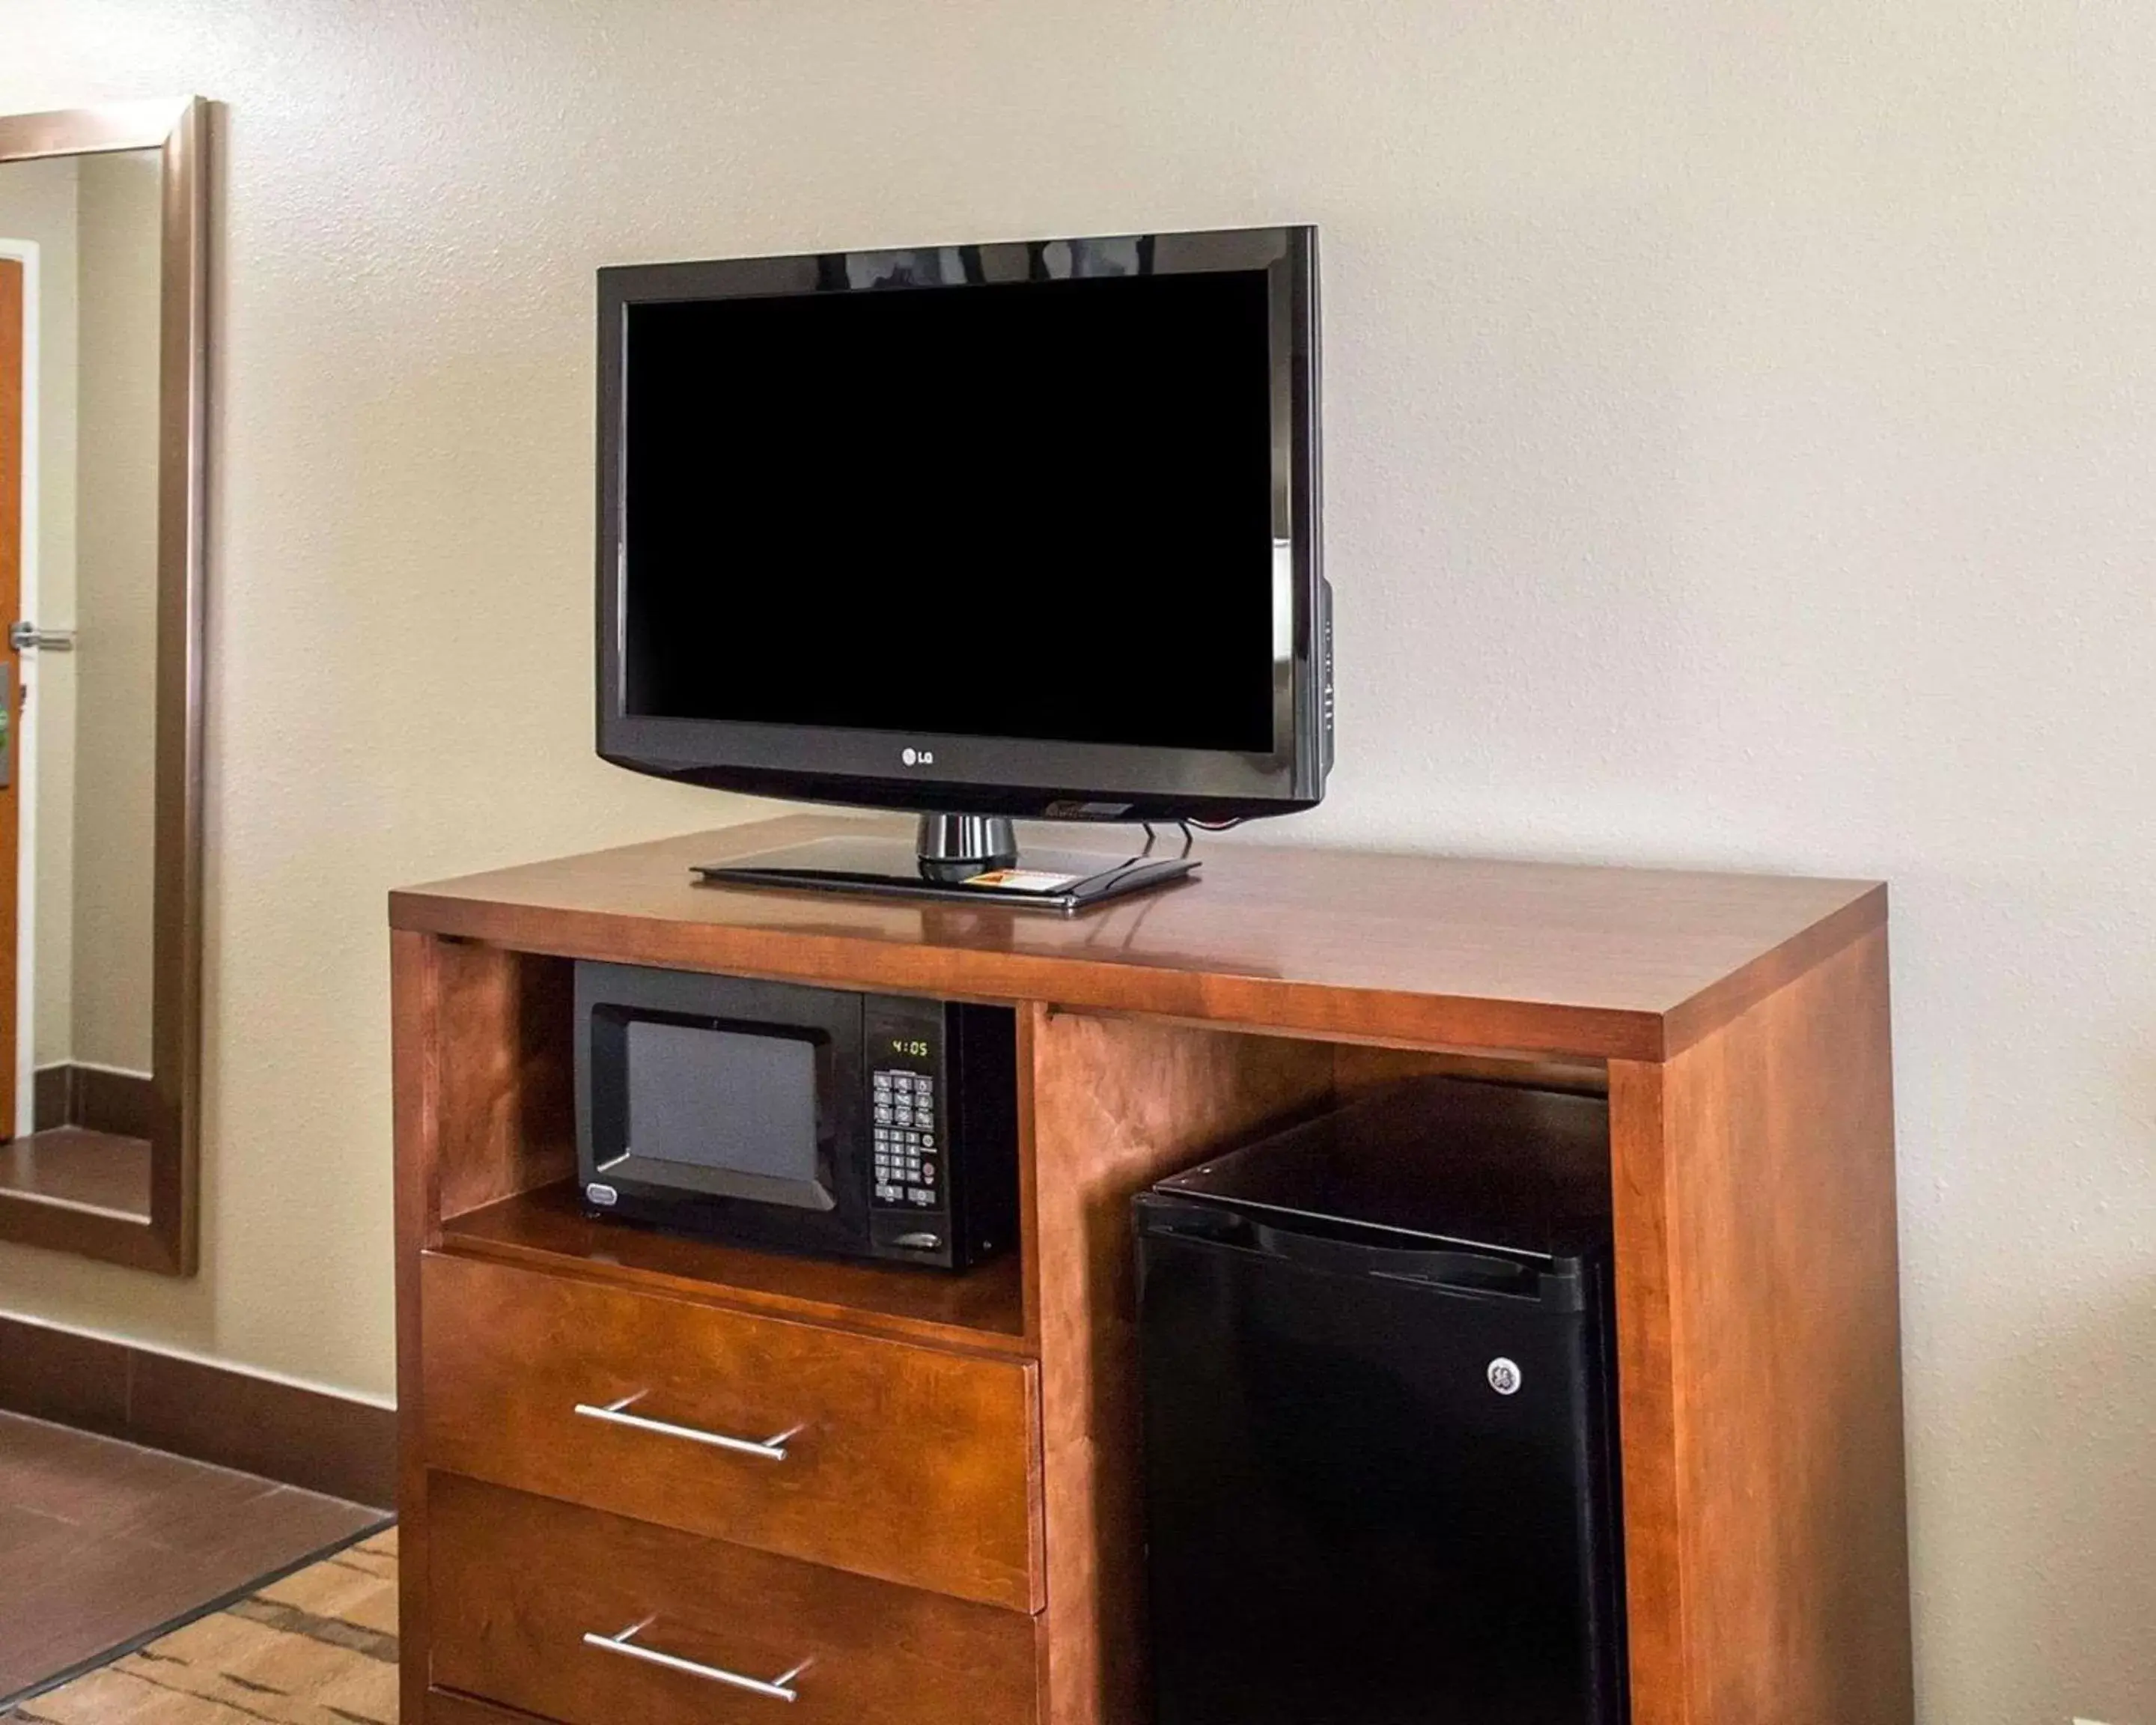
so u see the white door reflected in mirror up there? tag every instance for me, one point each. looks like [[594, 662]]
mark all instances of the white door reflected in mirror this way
[[80, 239]]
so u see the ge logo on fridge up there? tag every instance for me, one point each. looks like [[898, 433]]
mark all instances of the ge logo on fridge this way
[[917, 757], [1504, 1377]]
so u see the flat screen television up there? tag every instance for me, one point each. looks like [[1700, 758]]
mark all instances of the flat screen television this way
[[1024, 529]]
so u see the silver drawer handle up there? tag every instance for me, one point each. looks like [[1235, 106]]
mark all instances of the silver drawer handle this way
[[777, 1688], [771, 1449]]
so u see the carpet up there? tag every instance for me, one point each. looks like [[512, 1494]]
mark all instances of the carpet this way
[[318, 1647]]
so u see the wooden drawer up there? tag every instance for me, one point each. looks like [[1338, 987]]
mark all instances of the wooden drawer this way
[[904, 1463], [518, 1583]]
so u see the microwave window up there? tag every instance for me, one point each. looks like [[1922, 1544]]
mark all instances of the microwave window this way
[[734, 1102]]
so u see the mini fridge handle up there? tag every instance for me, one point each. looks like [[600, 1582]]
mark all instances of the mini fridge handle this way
[[1439, 1267]]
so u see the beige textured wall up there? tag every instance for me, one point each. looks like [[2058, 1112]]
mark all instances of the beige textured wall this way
[[1738, 435], [37, 203], [116, 660]]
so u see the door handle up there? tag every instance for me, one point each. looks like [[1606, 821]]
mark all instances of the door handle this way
[[26, 635]]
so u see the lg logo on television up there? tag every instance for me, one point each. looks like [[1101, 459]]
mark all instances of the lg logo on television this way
[[917, 757]]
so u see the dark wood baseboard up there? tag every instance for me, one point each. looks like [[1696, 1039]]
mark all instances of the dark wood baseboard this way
[[299, 1437], [92, 1097], [52, 1097]]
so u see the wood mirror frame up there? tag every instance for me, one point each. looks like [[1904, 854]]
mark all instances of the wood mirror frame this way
[[166, 1242]]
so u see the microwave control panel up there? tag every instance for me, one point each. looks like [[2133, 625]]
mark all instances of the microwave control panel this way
[[907, 1138], [908, 1113]]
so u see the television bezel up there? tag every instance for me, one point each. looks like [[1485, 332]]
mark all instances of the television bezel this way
[[948, 773]]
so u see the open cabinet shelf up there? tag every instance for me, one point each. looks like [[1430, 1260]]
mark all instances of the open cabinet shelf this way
[[547, 1229]]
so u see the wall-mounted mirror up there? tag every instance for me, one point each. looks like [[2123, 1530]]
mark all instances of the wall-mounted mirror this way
[[103, 356]]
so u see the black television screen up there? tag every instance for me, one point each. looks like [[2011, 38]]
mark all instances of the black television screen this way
[[1043, 516], [1065, 488]]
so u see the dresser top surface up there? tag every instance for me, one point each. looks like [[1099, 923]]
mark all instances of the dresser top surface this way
[[1544, 958]]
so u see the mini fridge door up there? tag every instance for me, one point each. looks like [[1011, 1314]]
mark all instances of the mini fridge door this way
[[1378, 1482]]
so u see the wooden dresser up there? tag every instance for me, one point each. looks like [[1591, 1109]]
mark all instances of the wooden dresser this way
[[892, 1497]]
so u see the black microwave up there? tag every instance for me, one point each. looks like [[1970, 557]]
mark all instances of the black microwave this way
[[808, 1120]]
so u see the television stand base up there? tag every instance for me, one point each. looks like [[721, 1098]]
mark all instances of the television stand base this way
[[1064, 881], [956, 847]]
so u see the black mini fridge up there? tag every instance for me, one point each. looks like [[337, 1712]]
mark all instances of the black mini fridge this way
[[1380, 1420]]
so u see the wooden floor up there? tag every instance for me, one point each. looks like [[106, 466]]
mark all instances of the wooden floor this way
[[73, 1165], [102, 1542], [317, 1648]]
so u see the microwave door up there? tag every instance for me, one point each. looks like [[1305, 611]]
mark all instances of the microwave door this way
[[730, 1113]]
